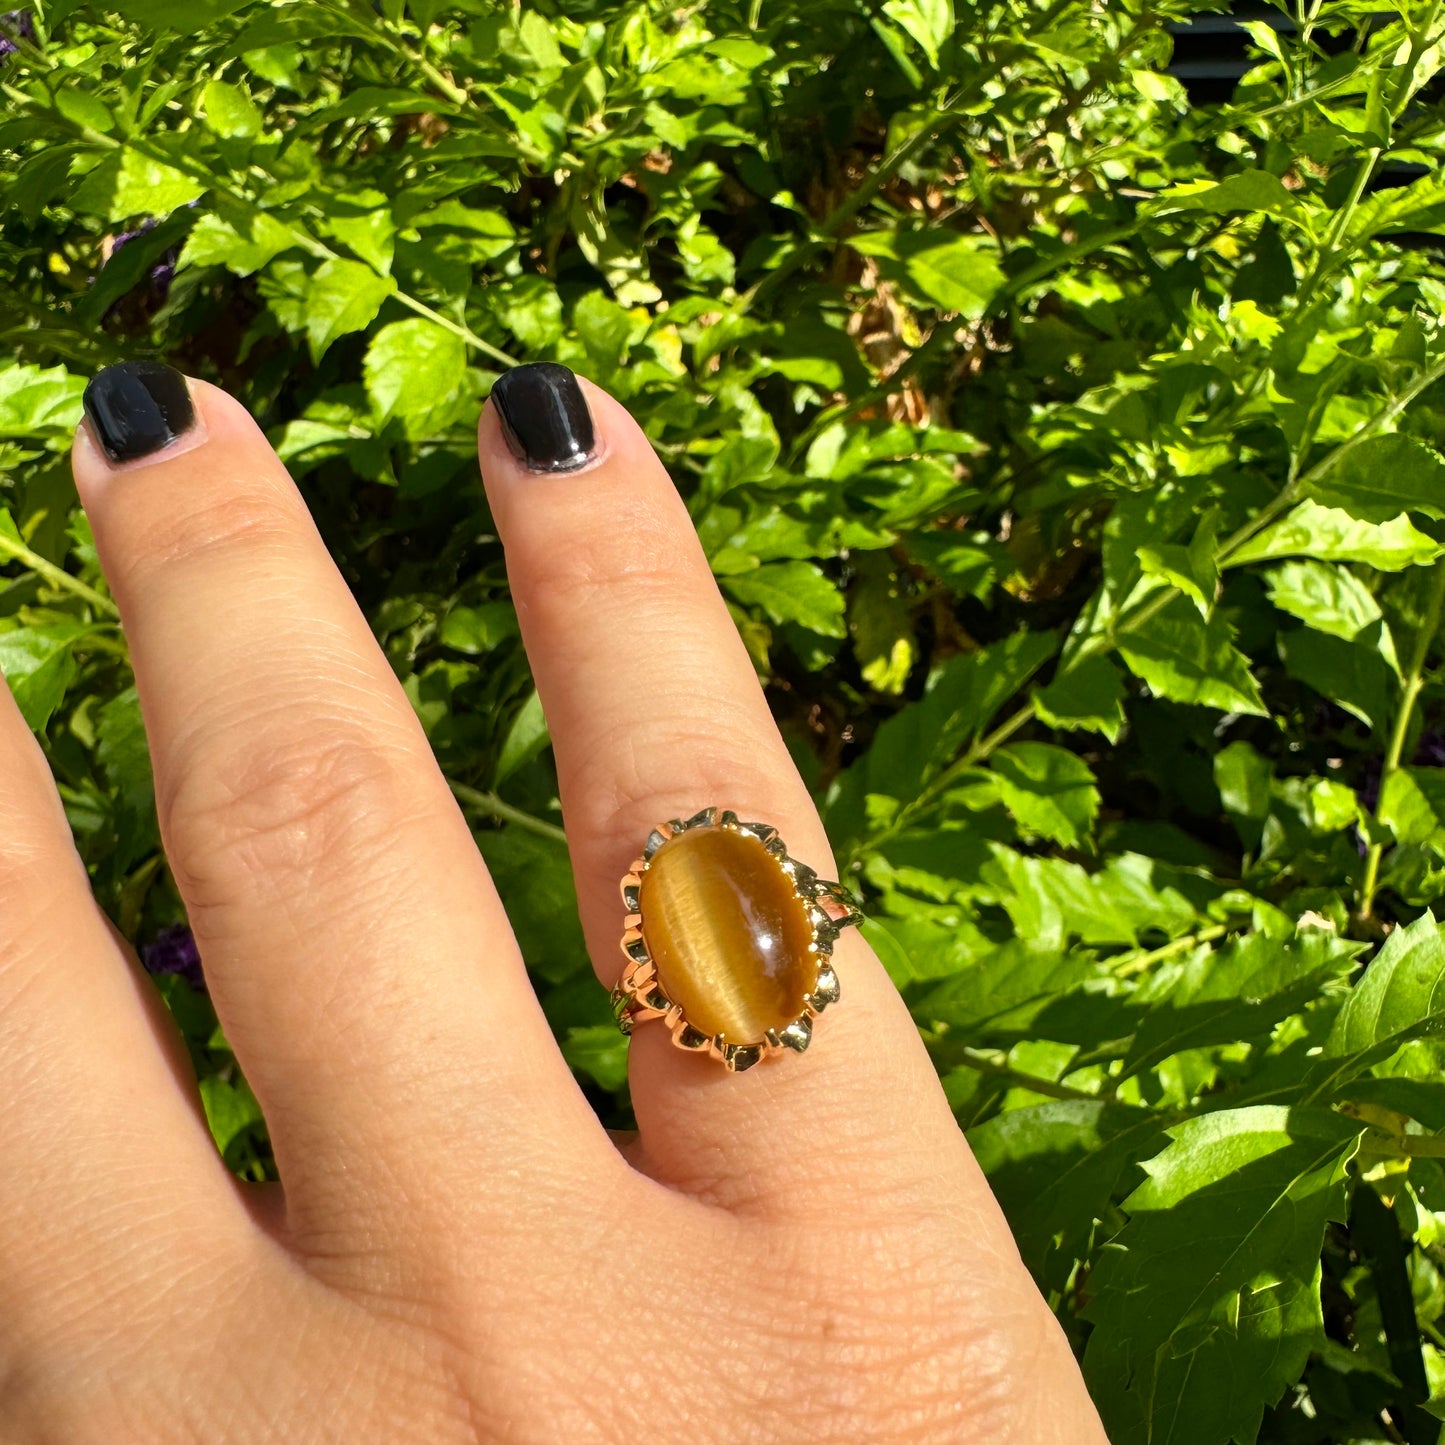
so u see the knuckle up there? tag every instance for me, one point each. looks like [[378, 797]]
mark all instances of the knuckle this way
[[285, 803], [650, 769], [195, 531], [629, 551]]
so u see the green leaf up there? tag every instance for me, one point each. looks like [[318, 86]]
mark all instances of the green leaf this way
[[1331, 600], [951, 271], [165, 14], [39, 402], [1089, 694], [1206, 1305], [38, 664], [1049, 790], [344, 296], [1330, 534], [1356, 676], [929, 22], [1184, 658], [526, 737], [598, 1052], [231, 1109], [1243, 777], [414, 372], [1384, 476], [1412, 805], [131, 184], [1191, 569], [479, 629], [1400, 996], [229, 111], [792, 592], [1054, 1169], [362, 222], [1245, 191], [1235, 993], [214, 242]]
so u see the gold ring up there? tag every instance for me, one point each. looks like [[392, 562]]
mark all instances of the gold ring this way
[[728, 940]]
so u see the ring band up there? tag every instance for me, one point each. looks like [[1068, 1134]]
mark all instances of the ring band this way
[[728, 940]]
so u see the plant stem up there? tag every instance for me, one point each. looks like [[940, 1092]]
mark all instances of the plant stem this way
[[1409, 693], [56, 576], [495, 807], [1127, 965], [983, 1062]]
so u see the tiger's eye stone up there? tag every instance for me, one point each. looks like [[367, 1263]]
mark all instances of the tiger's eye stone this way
[[728, 934]]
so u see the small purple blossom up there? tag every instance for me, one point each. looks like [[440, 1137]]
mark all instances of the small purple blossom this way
[[149, 224], [15, 25], [173, 950]]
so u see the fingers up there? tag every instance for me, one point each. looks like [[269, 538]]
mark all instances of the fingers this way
[[99, 1103], [655, 712], [354, 946]]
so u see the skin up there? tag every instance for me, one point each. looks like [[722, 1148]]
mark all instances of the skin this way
[[457, 1252]]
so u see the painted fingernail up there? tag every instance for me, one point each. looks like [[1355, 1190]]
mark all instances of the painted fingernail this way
[[544, 417], [136, 408]]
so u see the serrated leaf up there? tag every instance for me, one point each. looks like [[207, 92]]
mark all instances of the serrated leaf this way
[[414, 372], [792, 592], [1331, 600], [343, 296], [1186, 659], [1400, 996], [1206, 1305], [1054, 1169], [259, 239], [1192, 569], [1049, 790], [39, 402], [132, 184], [1235, 993], [1245, 191], [1090, 694], [951, 271], [1384, 476], [1330, 534]]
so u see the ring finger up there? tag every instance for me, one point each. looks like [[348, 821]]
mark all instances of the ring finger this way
[[655, 713]]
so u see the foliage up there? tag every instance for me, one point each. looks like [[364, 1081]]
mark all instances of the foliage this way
[[1068, 455]]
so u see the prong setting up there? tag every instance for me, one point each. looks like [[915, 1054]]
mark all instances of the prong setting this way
[[638, 995]]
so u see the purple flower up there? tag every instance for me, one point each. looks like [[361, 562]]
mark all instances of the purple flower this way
[[173, 950], [15, 25], [149, 224]]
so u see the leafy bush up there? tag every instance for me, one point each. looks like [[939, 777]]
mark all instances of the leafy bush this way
[[1066, 454]]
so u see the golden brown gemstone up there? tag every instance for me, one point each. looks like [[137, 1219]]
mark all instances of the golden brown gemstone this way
[[728, 933]]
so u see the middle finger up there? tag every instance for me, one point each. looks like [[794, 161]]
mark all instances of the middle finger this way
[[356, 950]]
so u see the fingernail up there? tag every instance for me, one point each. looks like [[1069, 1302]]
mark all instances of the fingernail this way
[[136, 408], [544, 417]]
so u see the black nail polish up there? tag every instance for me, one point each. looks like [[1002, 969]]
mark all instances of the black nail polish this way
[[544, 417], [137, 407]]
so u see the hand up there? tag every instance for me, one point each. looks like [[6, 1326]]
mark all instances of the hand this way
[[457, 1251]]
